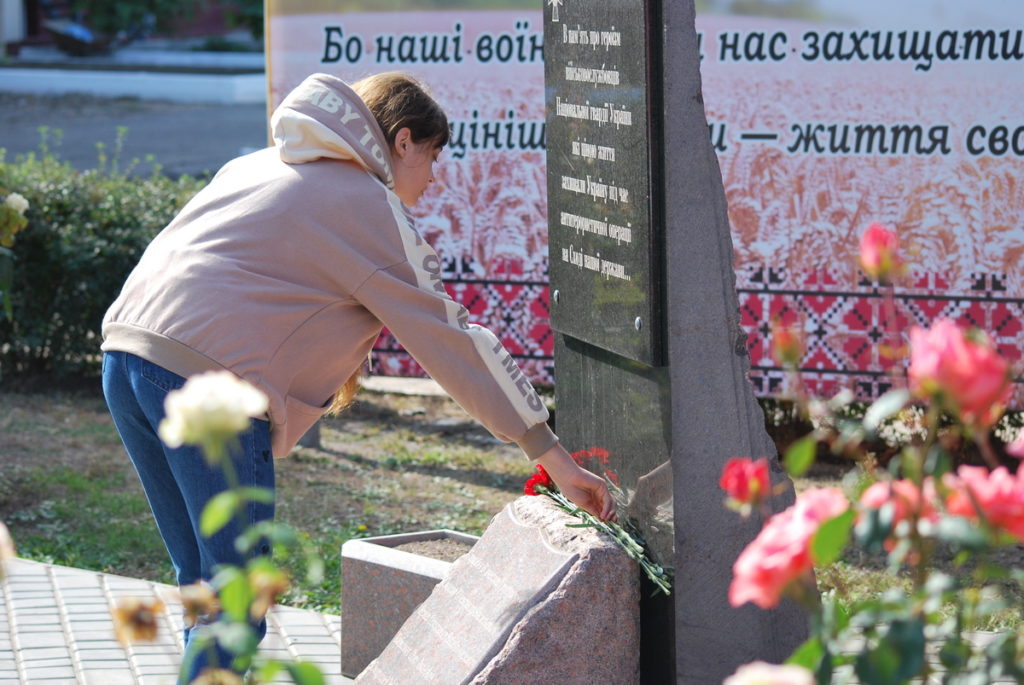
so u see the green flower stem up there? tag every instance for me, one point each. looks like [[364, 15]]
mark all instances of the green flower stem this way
[[220, 453], [627, 542], [932, 421], [889, 307], [982, 441]]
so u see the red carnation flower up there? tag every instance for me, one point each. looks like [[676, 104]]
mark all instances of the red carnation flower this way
[[540, 478]]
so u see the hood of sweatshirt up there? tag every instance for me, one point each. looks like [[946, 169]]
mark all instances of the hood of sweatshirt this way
[[323, 118]]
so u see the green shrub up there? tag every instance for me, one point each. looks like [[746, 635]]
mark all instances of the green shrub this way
[[86, 230], [132, 16], [246, 14]]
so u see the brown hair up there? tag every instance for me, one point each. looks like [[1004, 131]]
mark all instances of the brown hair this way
[[396, 101], [345, 394]]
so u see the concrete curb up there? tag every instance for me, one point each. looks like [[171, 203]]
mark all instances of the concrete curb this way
[[173, 87], [403, 386]]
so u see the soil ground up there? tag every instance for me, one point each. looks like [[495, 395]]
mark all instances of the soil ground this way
[[392, 463], [425, 449]]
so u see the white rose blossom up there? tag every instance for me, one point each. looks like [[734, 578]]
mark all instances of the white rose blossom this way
[[210, 409], [761, 673], [17, 202], [6, 547]]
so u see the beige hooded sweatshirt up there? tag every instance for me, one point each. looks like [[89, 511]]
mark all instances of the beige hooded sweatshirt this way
[[285, 267]]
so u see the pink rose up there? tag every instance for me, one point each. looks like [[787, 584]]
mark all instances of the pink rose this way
[[744, 480], [906, 499], [780, 554], [968, 376], [761, 673], [879, 252], [998, 493], [1016, 448]]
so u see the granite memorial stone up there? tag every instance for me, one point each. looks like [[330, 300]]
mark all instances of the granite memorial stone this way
[[650, 360], [525, 605]]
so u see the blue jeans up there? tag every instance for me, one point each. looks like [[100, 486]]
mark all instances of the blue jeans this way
[[178, 482]]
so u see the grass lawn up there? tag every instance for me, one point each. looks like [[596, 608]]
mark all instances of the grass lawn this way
[[391, 463]]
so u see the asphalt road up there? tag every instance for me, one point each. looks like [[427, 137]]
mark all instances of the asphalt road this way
[[185, 138]]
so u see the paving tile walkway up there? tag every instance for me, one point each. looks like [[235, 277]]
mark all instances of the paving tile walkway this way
[[55, 627]]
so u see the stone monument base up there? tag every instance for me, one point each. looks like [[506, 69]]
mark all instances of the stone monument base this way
[[534, 601], [381, 587]]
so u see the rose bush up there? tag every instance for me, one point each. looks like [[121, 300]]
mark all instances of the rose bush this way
[[210, 410], [787, 345], [84, 232], [779, 558], [12, 220], [903, 498], [956, 388], [994, 498], [960, 372]]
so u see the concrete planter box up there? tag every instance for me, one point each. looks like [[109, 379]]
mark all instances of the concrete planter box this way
[[381, 586]]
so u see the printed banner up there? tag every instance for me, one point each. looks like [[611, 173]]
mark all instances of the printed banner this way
[[826, 117]]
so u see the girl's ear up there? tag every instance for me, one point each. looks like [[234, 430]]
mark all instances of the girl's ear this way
[[403, 139]]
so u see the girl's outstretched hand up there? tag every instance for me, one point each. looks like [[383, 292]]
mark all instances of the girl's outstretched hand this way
[[583, 488]]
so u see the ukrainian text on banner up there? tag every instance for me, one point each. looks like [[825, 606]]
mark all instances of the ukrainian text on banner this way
[[486, 214], [823, 121]]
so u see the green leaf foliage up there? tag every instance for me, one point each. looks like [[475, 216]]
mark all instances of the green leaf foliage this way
[[800, 455], [247, 14], [218, 512], [86, 231], [954, 653], [6, 280], [237, 638], [835, 617], [874, 527], [938, 461], [133, 16], [280, 536], [809, 654], [898, 656], [235, 593], [267, 671], [959, 533], [305, 673], [831, 539], [261, 495]]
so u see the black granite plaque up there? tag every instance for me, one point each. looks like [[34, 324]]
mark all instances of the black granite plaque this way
[[630, 424], [604, 275], [658, 409]]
